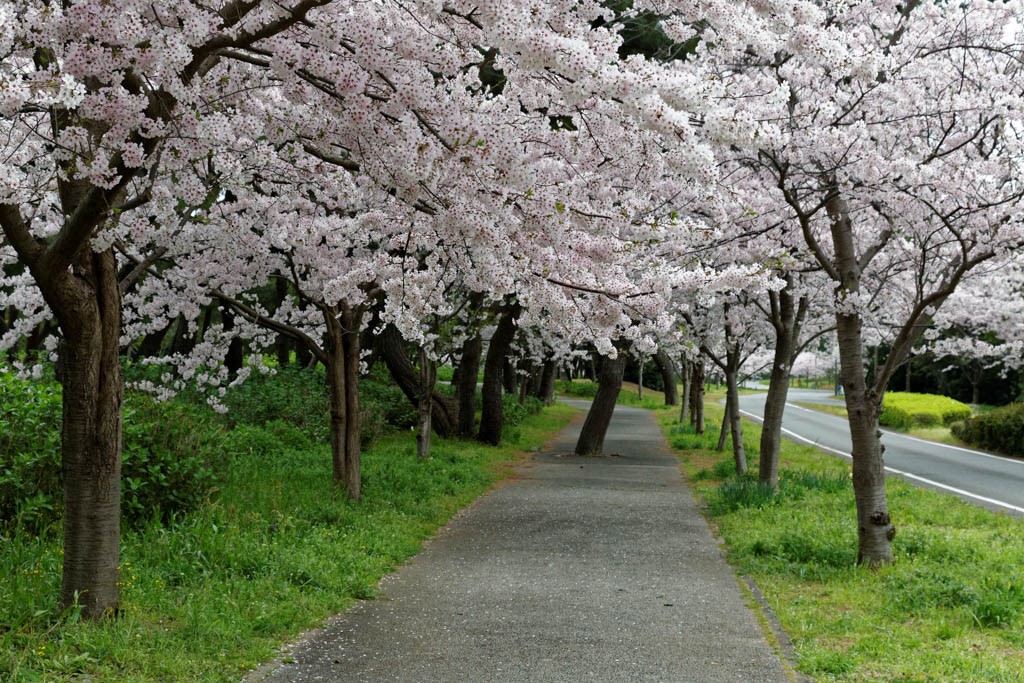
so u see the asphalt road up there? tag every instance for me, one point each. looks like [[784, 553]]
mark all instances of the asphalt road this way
[[990, 480]]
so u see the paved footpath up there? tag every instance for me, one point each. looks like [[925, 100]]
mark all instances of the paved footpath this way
[[578, 569]]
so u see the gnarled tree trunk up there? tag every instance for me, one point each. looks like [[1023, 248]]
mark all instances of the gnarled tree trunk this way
[[465, 388], [609, 380], [546, 391], [492, 417], [444, 413], [668, 377]]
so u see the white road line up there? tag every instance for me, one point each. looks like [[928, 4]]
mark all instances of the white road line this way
[[892, 470]]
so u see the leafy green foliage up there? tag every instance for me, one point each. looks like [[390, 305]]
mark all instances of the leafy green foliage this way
[[167, 465], [577, 388], [291, 394], [1001, 429], [903, 410], [211, 594]]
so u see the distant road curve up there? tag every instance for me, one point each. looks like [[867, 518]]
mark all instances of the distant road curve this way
[[993, 481]]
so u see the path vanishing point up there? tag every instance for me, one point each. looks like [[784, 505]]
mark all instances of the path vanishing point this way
[[576, 569]]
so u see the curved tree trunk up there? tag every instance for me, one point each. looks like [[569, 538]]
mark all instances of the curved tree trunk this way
[[492, 417], [609, 378], [723, 432], [465, 388], [788, 319], [444, 413], [668, 377]]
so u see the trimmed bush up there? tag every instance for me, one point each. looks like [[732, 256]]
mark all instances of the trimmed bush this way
[[584, 389], [1000, 430], [903, 410]]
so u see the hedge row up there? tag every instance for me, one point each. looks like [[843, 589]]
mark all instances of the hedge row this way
[[902, 410], [1001, 430]]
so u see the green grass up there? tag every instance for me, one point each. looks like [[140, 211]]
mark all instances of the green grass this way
[[948, 609], [274, 552]]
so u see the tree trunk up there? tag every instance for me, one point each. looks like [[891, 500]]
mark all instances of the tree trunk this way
[[509, 377], [774, 408], [465, 389], [875, 530], [546, 392], [723, 432], [684, 400], [732, 397], [235, 357], [609, 378], [526, 382], [697, 397], [351, 319], [668, 377], [444, 414], [428, 377], [88, 307], [788, 319], [492, 418], [342, 361], [874, 527], [640, 378]]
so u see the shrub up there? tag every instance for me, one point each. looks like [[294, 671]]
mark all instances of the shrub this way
[[1000, 430], [292, 394], [167, 462], [903, 411], [584, 389]]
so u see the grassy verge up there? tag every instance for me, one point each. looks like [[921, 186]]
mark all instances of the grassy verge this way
[[948, 609], [213, 594]]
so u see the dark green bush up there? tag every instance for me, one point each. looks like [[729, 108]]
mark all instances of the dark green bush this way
[[170, 454], [1000, 430], [292, 394], [168, 457]]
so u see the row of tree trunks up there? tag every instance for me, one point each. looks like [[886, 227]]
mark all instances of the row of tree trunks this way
[[342, 365]]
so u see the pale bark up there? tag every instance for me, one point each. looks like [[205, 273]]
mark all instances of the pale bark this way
[[687, 378]]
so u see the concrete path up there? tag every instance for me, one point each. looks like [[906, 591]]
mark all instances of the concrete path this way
[[579, 569]]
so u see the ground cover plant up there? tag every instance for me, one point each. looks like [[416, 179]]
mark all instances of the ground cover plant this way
[[949, 608], [269, 551]]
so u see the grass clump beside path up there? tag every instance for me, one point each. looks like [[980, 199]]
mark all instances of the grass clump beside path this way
[[950, 608], [213, 593]]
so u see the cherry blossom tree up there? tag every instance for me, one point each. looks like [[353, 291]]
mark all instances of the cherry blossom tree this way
[[898, 166]]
